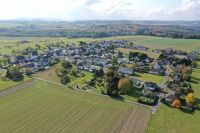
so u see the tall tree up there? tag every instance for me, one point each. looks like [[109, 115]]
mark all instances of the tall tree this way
[[124, 85]]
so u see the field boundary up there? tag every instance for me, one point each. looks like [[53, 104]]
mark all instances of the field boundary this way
[[127, 101], [17, 87], [16, 84]]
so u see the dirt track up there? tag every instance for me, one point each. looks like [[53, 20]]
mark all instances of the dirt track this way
[[16, 88]]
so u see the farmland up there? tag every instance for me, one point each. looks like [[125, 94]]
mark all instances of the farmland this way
[[7, 44], [46, 107]]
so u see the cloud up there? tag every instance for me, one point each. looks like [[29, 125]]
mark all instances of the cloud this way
[[101, 9], [187, 10]]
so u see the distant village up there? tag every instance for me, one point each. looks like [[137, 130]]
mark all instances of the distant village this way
[[174, 65]]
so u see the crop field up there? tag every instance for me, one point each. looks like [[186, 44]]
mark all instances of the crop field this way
[[169, 120], [47, 108]]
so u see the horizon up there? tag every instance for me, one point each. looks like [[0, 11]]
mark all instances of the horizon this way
[[105, 10]]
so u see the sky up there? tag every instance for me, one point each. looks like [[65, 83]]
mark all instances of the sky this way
[[71, 10]]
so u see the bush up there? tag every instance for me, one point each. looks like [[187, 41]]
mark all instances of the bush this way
[[14, 73], [147, 101], [103, 92], [65, 79]]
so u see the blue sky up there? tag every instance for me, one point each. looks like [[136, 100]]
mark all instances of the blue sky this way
[[70, 10]]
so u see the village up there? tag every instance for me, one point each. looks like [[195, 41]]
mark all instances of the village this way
[[112, 70]]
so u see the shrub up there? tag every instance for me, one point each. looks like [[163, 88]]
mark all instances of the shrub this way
[[147, 101]]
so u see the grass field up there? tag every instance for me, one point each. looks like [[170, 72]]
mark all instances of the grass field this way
[[51, 75], [49, 108], [126, 51], [169, 120], [148, 77]]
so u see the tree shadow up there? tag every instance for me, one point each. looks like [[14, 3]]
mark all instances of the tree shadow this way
[[186, 110], [136, 75], [195, 78], [18, 79], [197, 104], [194, 81], [119, 98]]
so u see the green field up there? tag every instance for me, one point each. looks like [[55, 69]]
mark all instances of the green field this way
[[169, 120], [47, 108], [149, 77], [148, 41]]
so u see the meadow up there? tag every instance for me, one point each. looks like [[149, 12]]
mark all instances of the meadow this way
[[48, 108]]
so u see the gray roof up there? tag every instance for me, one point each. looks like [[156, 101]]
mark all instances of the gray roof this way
[[125, 70]]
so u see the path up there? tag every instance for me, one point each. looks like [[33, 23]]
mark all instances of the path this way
[[16, 88]]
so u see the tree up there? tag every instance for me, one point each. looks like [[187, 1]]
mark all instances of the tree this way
[[98, 73], [28, 71], [176, 103], [190, 98], [187, 72], [143, 56], [14, 73], [65, 64], [112, 83], [194, 64], [124, 85], [120, 54], [114, 61], [65, 79], [110, 72]]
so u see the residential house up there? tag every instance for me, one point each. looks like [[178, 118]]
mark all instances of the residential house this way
[[125, 70]]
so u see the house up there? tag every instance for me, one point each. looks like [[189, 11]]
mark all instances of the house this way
[[170, 98], [33, 54], [20, 59], [137, 83], [80, 63], [177, 78], [100, 62], [125, 70], [151, 86], [156, 71]]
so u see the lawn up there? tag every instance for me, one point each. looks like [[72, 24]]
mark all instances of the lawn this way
[[49, 108], [169, 120], [148, 77]]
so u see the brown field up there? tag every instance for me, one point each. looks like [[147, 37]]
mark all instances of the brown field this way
[[132, 123]]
